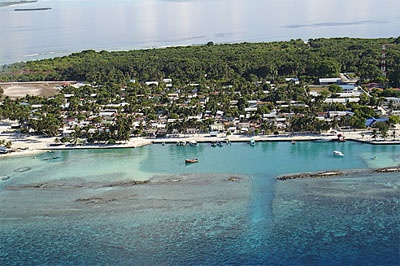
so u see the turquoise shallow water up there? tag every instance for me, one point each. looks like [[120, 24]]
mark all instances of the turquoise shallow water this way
[[78, 208]]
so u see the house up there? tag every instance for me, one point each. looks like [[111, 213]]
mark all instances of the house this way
[[67, 132], [369, 122], [250, 109], [393, 100], [161, 133], [332, 114], [217, 127], [329, 81], [243, 126], [107, 113], [342, 100], [149, 83], [348, 87], [280, 122], [213, 133], [219, 114], [192, 131], [294, 80]]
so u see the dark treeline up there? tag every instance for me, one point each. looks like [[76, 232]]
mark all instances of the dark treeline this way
[[222, 63]]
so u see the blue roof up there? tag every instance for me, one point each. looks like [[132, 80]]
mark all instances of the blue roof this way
[[371, 121]]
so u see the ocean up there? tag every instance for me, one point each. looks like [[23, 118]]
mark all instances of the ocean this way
[[76, 25], [81, 207]]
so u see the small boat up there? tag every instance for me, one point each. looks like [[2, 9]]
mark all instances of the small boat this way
[[4, 177], [323, 140], [193, 143], [338, 153], [181, 143], [252, 142], [193, 160], [293, 142]]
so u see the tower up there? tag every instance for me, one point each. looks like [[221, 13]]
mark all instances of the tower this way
[[383, 60]]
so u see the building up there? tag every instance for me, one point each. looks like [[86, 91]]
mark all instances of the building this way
[[330, 81]]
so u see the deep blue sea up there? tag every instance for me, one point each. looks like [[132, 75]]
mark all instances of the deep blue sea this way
[[80, 207], [76, 25]]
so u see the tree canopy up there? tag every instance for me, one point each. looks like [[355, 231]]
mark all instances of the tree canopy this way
[[220, 62]]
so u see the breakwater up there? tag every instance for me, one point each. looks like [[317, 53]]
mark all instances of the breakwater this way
[[326, 174]]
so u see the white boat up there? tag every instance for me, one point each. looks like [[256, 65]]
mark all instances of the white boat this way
[[338, 153], [252, 142], [193, 160], [193, 143], [323, 140], [181, 143]]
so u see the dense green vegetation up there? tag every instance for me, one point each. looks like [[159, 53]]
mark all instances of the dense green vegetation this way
[[223, 63]]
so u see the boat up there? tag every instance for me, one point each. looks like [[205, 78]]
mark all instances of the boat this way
[[338, 153], [323, 140], [252, 142], [181, 143], [4, 177], [193, 160], [3, 150], [193, 143], [293, 142]]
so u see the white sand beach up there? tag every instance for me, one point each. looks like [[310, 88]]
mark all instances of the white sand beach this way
[[29, 144]]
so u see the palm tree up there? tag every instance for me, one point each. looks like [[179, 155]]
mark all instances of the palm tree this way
[[374, 134], [8, 144]]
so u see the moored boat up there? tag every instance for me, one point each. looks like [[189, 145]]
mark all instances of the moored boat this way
[[338, 153], [193, 160], [193, 143], [181, 143], [323, 140]]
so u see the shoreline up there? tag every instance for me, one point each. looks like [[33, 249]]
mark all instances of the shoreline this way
[[30, 145]]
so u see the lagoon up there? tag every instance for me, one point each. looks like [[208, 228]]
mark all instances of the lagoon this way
[[76, 207], [76, 25]]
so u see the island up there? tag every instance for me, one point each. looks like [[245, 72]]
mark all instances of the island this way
[[16, 3], [329, 89], [32, 9]]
